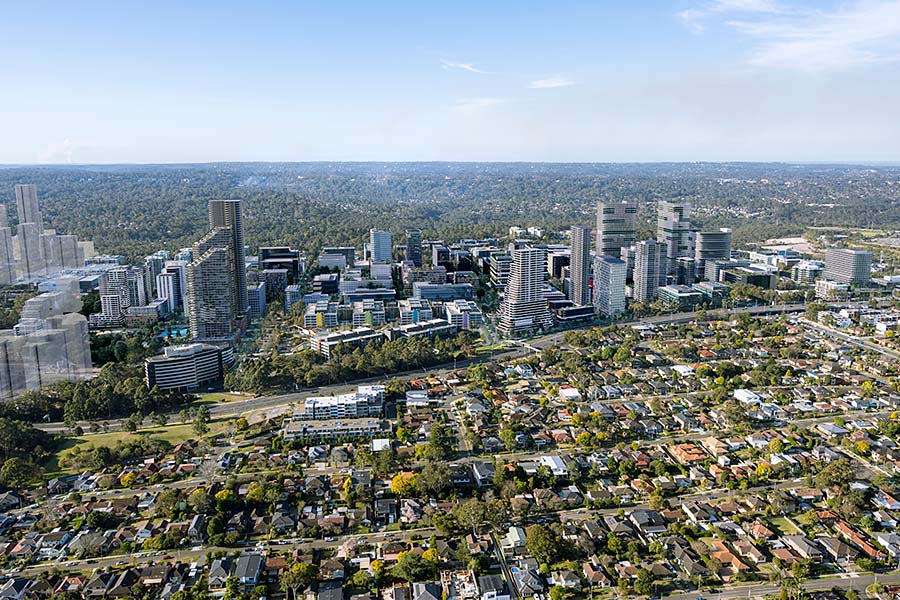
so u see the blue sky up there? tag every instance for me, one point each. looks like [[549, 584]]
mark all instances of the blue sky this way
[[638, 80]]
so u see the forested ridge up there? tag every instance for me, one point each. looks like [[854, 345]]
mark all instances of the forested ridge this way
[[135, 210]]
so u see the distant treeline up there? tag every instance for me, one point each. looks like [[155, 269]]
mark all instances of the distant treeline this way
[[134, 210]]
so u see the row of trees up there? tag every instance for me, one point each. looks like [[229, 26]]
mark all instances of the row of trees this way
[[118, 390], [22, 449], [310, 369], [131, 347], [123, 452]]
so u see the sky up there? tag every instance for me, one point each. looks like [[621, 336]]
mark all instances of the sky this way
[[523, 80]]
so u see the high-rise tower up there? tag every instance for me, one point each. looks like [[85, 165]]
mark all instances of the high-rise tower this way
[[615, 227], [846, 265], [580, 262], [609, 285], [414, 246], [711, 245], [210, 287], [27, 207], [524, 307], [381, 245], [227, 213], [649, 262], [674, 232]]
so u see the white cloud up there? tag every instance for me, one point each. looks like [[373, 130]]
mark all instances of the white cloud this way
[[63, 151], [556, 81], [693, 18], [449, 64], [768, 6], [868, 32], [792, 37], [470, 105]]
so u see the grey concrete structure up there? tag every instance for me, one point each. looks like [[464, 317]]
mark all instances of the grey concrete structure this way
[[227, 213], [674, 231], [846, 265], [524, 307], [210, 294], [580, 265], [49, 344], [615, 227], [649, 262]]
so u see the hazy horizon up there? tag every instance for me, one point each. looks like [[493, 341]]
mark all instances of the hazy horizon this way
[[849, 163]]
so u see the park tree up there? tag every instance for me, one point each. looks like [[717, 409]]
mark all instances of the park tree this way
[[412, 567], [643, 584], [404, 484], [201, 420], [543, 544], [434, 480], [297, 577], [470, 514], [16, 472]]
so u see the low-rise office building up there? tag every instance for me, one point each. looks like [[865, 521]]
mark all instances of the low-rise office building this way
[[757, 275], [369, 313], [832, 290], [256, 294], [714, 293], [355, 338], [464, 314], [413, 310], [321, 315], [292, 295], [367, 401], [334, 430], [443, 292], [187, 368], [679, 297], [807, 271], [432, 328]]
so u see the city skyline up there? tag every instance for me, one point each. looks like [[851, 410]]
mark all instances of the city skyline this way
[[750, 80]]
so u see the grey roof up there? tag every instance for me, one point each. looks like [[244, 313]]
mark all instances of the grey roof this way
[[428, 590], [491, 583], [330, 590], [219, 570], [14, 587], [529, 582], [248, 566]]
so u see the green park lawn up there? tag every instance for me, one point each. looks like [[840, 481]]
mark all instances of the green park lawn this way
[[221, 397], [173, 433], [783, 526]]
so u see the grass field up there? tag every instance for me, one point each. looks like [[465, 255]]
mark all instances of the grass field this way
[[174, 434], [784, 526], [221, 397]]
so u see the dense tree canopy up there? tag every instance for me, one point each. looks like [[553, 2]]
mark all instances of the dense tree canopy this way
[[118, 390], [307, 368], [135, 210]]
